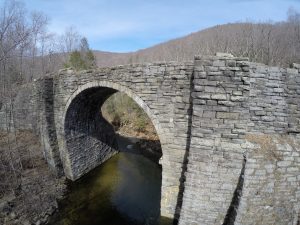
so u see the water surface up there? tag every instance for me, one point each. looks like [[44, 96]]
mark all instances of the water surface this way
[[125, 190]]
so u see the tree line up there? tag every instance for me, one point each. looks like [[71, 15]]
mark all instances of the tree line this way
[[275, 44], [271, 43]]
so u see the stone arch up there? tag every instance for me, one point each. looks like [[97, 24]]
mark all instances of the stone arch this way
[[80, 131]]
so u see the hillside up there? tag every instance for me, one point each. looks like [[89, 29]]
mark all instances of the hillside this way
[[268, 43]]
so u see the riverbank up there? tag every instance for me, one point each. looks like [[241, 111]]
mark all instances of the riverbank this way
[[28, 189], [149, 148]]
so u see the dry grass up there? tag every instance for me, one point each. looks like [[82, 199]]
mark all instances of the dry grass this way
[[267, 146]]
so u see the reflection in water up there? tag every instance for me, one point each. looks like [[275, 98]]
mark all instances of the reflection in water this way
[[125, 190]]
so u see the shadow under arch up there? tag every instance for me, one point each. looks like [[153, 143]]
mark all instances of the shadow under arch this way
[[86, 131]]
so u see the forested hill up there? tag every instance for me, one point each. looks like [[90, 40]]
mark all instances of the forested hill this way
[[269, 43]]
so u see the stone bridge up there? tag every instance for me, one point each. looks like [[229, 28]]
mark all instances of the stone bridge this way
[[229, 131]]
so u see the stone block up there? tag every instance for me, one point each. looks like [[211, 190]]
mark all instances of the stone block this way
[[219, 96], [231, 63], [260, 113], [283, 163], [224, 55], [227, 103], [237, 98], [227, 115], [219, 63], [212, 102], [267, 118], [292, 71], [278, 90], [199, 88], [201, 95], [246, 68], [238, 93], [229, 135], [209, 114]]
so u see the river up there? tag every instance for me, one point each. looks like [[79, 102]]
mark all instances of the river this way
[[125, 190]]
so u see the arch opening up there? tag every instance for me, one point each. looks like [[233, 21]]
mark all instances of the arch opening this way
[[135, 131], [89, 137]]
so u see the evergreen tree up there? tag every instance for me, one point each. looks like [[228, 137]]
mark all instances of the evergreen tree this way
[[76, 61], [83, 59], [90, 59]]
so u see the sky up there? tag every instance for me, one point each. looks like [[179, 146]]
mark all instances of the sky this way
[[129, 25]]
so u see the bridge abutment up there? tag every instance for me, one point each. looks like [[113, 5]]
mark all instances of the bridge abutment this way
[[244, 142]]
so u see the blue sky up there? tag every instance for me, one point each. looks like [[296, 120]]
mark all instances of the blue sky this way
[[129, 25]]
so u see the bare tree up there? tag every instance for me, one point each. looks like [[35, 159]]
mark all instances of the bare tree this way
[[19, 43], [70, 40]]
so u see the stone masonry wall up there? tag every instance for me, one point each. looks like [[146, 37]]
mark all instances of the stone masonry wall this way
[[216, 159], [271, 192], [274, 99], [229, 131], [24, 114], [243, 170]]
